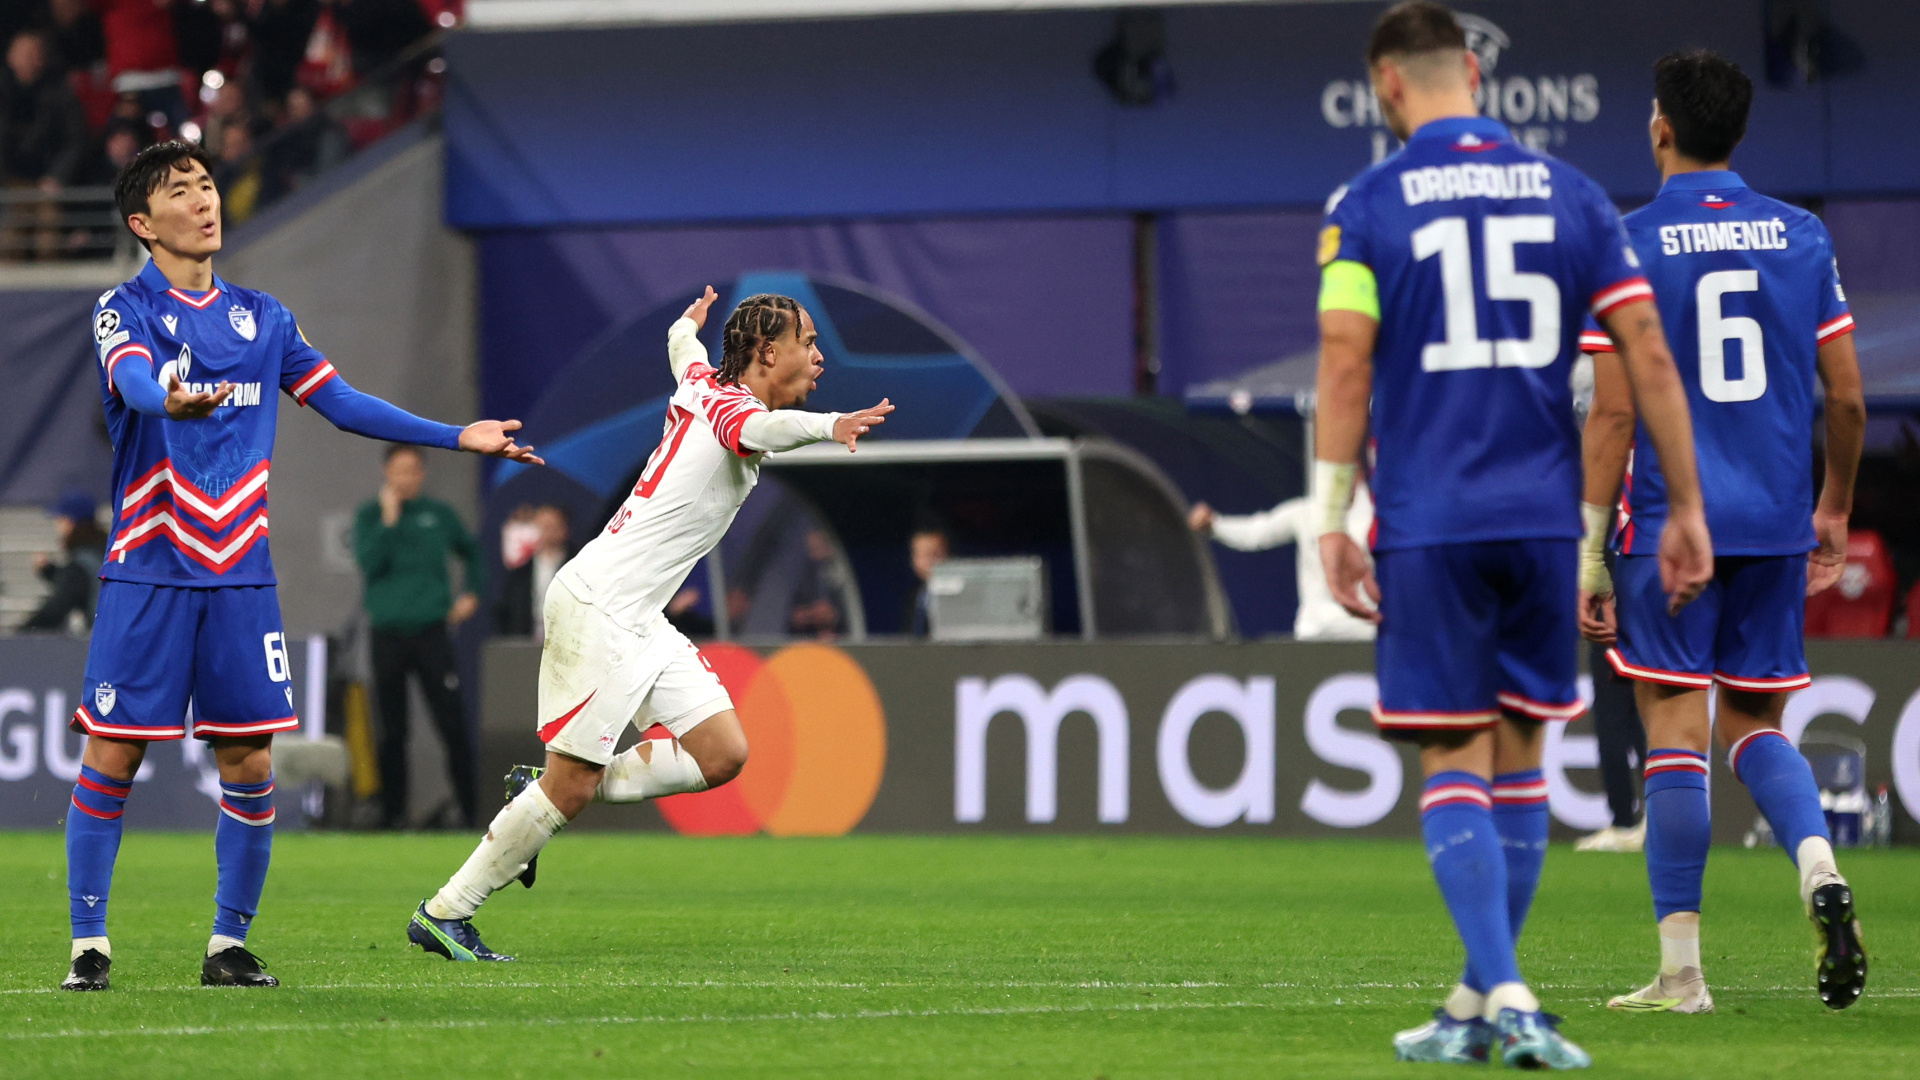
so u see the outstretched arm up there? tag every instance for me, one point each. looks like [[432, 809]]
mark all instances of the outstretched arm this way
[[363, 414], [1269, 528], [133, 381], [683, 337], [787, 429]]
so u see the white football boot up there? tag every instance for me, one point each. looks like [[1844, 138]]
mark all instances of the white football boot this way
[[1683, 993], [1615, 839]]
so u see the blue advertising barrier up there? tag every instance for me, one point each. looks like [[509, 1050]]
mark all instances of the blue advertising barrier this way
[[177, 787]]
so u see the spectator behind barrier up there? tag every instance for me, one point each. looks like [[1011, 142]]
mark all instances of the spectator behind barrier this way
[[42, 144], [73, 572], [402, 541], [523, 593], [927, 549], [822, 588], [143, 58]]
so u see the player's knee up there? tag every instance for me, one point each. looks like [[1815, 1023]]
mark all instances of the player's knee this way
[[571, 793], [723, 761]]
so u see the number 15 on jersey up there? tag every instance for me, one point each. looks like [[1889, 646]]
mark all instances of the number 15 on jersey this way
[[1450, 238]]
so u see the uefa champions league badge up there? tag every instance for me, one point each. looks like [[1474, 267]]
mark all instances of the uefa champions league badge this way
[[242, 320], [104, 697]]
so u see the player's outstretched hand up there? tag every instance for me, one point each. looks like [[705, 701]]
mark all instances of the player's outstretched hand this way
[[490, 437], [1348, 574], [848, 429], [1596, 618], [184, 406], [1830, 558], [1200, 519], [697, 311], [1686, 558]]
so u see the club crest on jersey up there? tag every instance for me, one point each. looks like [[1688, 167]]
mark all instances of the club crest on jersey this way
[[172, 321], [242, 320], [104, 697]]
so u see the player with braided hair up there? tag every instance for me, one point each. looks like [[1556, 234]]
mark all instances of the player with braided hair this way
[[759, 319], [610, 657]]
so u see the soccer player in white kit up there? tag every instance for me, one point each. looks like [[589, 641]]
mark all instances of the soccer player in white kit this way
[[610, 658]]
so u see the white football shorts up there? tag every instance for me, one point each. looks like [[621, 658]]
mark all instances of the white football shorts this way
[[597, 676]]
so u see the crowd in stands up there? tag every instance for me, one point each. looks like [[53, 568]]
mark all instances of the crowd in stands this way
[[87, 83]]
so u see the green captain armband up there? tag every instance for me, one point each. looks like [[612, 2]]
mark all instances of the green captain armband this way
[[1346, 285]]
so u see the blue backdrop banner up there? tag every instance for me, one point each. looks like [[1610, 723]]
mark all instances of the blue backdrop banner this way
[[1000, 112]]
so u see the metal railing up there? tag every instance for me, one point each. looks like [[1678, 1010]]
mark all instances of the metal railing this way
[[71, 224]]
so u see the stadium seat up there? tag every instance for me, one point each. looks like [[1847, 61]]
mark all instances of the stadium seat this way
[[1913, 613], [1861, 605]]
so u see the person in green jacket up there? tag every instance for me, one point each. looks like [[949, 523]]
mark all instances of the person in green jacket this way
[[402, 541]]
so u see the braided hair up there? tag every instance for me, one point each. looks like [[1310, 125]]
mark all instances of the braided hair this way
[[759, 320]]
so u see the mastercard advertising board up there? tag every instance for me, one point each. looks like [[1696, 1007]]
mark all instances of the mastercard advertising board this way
[[1257, 737]]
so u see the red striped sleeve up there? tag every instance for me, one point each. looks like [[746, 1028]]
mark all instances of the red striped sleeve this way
[[1834, 327], [727, 411], [311, 381], [1593, 341], [121, 353], [1609, 299]]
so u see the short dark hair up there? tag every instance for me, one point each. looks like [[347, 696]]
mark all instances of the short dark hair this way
[[142, 176], [397, 448], [1415, 28], [1705, 96], [759, 319]]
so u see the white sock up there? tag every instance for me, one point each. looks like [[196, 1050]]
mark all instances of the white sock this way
[[1813, 856], [1512, 995], [1680, 942], [669, 770], [517, 834], [1465, 1002], [221, 942], [98, 944]]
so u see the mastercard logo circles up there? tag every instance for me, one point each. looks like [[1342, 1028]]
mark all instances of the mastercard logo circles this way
[[817, 746]]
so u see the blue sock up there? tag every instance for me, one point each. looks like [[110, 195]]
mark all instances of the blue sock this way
[[242, 845], [1456, 819], [1679, 829], [1782, 786], [1520, 818], [93, 842]]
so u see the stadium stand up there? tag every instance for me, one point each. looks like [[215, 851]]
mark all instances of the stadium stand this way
[[277, 90]]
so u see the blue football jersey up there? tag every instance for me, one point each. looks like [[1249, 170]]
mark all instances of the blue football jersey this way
[[1748, 290], [1487, 256], [190, 496]]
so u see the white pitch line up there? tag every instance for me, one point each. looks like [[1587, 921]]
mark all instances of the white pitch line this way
[[707, 984], [1096, 984], [392, 1025]]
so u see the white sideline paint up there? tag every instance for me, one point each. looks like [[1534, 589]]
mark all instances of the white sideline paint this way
[[591, 1021]]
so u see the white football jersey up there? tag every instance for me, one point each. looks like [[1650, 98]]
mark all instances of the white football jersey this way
[[687, 496]]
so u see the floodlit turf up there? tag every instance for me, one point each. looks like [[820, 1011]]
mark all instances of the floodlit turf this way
[[654, 956]]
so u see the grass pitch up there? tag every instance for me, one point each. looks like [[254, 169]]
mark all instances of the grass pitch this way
[[656, 956]]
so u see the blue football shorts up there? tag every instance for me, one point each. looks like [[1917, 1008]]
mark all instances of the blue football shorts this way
[[1471, 631], [1747, 631], [157, 648]]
